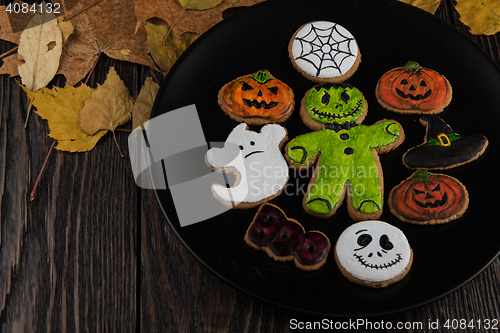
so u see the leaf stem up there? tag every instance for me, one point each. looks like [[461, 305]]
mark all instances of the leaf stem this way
[[116, 142], [93, 67], [8, 52], [32, 195], [81, 10], [177, 19], [30, 105]]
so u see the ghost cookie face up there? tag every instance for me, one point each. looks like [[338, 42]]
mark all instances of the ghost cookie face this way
[[324, 51], [373, 253], [256, 160]]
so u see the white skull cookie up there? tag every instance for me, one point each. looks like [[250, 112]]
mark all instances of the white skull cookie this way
[[373, 253]]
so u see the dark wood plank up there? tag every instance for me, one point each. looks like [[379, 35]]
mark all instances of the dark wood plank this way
[[69, 258]]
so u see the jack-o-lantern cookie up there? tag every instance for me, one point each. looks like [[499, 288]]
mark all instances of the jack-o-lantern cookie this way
[[443, 148], [257, 99], [284, 239], [344, 152], [373, 254], [428, 198], [413, 89], [324, 51]]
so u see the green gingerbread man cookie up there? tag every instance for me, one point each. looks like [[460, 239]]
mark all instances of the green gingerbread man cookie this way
[[345, 152]]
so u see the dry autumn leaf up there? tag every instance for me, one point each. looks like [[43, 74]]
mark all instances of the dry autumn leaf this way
[[166, 51], [427, 5], [482, 17], [109, 106], [199, 4], [61, 108], [40, 49], [104, 27], [172, 12], [144, 102]]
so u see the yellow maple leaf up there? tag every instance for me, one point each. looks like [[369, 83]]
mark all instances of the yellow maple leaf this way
[[109, 106], [199, 4], [482, 17], [165, 53], [61, 108], [144, 102], [40, 48], [427, 5]]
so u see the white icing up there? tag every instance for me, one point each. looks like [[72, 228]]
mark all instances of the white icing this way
[[324, 49], [382, 264], [261, 167]]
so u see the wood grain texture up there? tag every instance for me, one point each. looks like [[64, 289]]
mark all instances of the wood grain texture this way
[[68, 258]]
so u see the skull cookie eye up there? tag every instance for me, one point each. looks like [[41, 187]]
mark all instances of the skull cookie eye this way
[[364, 240], [385, 243], [326, 98], [345, 96]]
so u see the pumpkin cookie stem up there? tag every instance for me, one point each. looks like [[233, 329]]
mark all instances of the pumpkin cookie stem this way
[[412, 66], [422, 174]]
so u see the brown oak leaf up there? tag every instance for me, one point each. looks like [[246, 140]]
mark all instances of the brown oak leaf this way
[[182, 20]]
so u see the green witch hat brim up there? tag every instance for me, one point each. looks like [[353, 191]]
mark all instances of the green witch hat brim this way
[[443, 148]]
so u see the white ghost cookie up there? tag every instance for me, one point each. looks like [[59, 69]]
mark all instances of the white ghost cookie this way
[[256, 159], [373, 253]]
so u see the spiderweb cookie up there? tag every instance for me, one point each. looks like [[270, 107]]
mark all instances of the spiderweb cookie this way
[[324, 51]]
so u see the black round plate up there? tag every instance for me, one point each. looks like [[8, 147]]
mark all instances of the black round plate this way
[[389, 34]]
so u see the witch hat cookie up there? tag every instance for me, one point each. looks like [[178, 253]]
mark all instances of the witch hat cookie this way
[[443, 148]]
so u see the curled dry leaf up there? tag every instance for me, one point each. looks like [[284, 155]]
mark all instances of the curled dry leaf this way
[[40, 49], [61, 108], [482, 17], [166, 53], [144, 102], [427, 5]]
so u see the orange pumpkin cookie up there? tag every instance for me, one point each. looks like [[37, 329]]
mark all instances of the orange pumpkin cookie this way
[[428, 198], [413, 89], [257, 99]]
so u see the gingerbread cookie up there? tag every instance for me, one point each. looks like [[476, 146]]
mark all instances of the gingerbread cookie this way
[[428, 198], [443, 148], [324, 51], [344, 152], [284, 239], [256, 159], [373, 254], [257, 99], [413, 89]]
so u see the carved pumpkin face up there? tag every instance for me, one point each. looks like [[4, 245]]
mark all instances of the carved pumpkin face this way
[[413, 87], [258, 95], [428, 197]]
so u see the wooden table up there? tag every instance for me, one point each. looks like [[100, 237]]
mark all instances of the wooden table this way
[[93, 252]]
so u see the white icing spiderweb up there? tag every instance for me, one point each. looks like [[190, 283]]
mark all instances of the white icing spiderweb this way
[[327, 50]]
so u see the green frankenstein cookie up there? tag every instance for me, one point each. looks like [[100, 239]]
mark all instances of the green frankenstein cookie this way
[[345, 152]]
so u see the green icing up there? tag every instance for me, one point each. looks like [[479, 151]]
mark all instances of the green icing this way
[[422, 174], [334, 102], [346, 156], [435, 142], [261, 77]]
